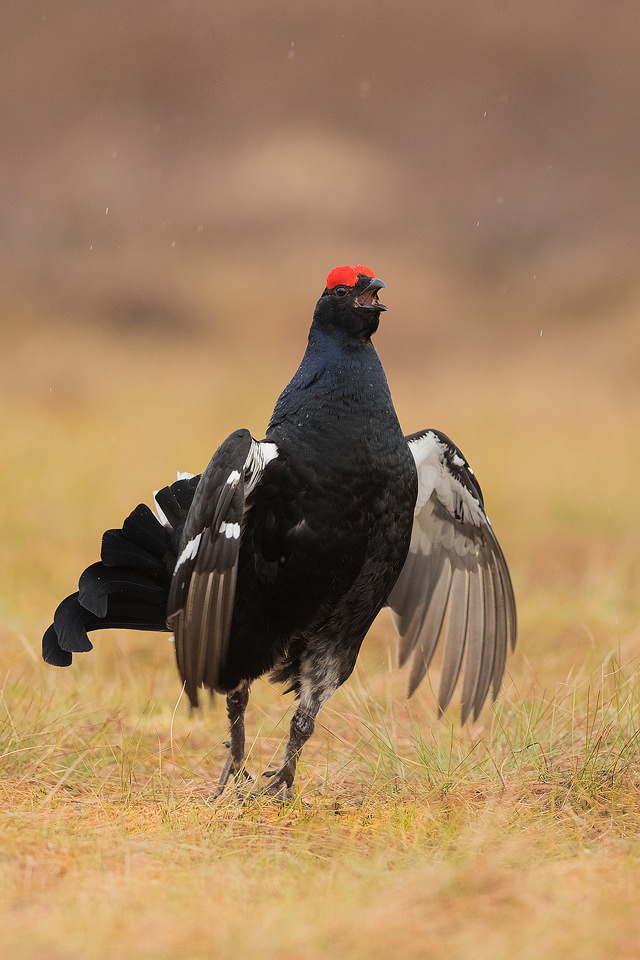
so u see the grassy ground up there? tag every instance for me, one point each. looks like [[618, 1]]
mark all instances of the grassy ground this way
[[515, 837]]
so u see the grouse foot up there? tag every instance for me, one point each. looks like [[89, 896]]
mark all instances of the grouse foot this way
[[239, 774]]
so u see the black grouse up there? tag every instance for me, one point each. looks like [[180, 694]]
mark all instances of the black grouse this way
[[279, 556]]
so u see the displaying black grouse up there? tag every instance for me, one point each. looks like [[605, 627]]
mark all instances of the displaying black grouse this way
[[280, 555]]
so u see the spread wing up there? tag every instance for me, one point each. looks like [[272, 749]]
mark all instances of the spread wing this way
[[454, 581], [202, 590]]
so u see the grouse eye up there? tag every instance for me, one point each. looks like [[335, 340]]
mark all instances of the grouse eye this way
[[341, 291]]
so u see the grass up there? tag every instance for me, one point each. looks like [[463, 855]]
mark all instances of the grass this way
[[514, 837]]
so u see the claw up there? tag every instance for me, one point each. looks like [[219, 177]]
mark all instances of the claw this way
[[281, 793], [281, 787], [229, 769], [242, 774]]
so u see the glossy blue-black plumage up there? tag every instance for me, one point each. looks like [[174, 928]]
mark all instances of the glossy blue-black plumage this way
[[280, 555]]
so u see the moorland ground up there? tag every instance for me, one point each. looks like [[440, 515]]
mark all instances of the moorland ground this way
[[517, 836]]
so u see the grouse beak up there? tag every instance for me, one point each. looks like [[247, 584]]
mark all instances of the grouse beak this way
[[369, 296]]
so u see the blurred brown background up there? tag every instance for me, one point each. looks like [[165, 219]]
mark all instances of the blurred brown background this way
[[192, 166], [177, 177]]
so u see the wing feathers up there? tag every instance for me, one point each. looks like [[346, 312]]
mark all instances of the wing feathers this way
[[202, 592], [455, 635], [455, 581], [502, 634], [491, 615], [426, 639], [474, 644]]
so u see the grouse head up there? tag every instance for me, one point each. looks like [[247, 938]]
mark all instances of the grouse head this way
[[349, 306]]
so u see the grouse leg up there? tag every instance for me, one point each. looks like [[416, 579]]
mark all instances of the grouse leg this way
[[302, 726], [236, 705]]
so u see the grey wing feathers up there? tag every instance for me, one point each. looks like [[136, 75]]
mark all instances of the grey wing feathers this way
[[202, 591], [455, 582]]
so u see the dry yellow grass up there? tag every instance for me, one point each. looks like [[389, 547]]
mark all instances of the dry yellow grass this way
[[516, 837]]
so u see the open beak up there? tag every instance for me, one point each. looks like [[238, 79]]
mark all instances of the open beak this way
[[369, 296]]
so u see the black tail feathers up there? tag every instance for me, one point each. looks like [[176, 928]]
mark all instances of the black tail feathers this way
[[127, 588]]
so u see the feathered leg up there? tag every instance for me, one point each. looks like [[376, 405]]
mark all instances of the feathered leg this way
[[315, 689], [236, 706], [302, 726]]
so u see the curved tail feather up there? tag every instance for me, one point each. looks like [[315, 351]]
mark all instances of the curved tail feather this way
[[128, 587]]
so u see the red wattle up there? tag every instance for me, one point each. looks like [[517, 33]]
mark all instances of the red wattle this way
[[347, 276]]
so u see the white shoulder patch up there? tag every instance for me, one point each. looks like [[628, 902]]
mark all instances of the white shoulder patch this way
[[260, 454], [230, 530], [189, 551], [434, 460]]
